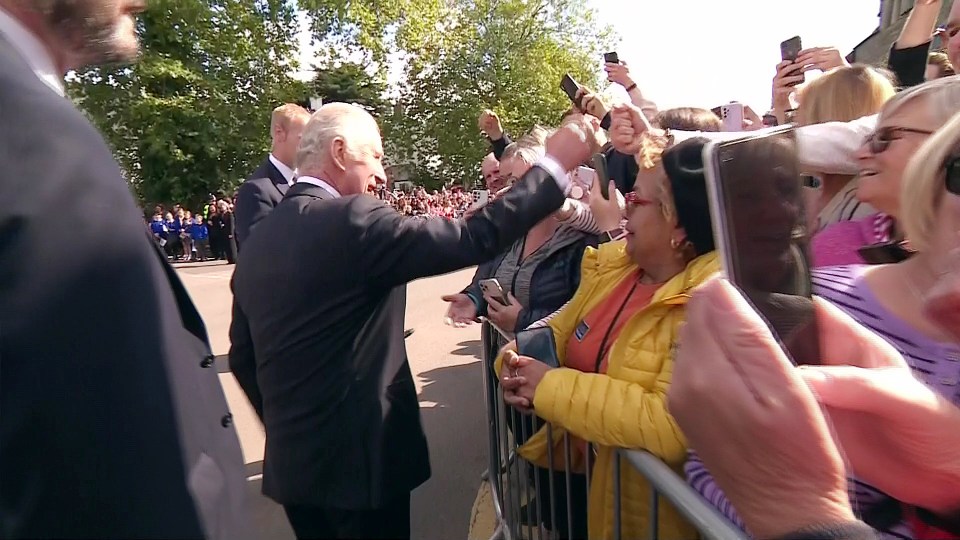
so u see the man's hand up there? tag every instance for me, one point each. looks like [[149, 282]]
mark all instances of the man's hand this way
[[752, 419], [490, 125], [572, 144], [822, 58], [618, 73], [503, 316], [627, 126], [461, 311]]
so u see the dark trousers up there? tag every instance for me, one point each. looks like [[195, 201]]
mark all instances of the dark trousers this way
[[387, 523]]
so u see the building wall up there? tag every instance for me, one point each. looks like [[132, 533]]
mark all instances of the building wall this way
[[893, 15]]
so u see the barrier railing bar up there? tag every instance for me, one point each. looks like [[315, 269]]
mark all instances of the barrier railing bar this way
[[553, 514], [654, 514], [567, 478], [493, 475], [617, 529], [711, 524]]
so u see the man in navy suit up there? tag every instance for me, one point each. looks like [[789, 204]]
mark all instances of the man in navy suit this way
[[264, 189]]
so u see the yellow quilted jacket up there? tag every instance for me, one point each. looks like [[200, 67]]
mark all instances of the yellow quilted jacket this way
[[627, 406]]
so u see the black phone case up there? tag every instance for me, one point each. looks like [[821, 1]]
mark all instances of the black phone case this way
[[538, 343]]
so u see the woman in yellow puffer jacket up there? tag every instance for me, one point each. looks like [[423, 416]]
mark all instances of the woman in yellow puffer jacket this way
[[615, 338]]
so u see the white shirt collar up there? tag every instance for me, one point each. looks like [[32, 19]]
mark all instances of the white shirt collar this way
[[32, 50], [319, 183], [287, 172]]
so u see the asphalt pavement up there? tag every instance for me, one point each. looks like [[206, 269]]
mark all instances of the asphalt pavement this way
[[445, 362]]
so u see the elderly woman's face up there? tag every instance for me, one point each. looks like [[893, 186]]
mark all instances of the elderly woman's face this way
[[648, 231], [883, 161]]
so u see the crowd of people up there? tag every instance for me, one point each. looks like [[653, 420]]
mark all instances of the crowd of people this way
[[448, 203], [206, 235], [652, 347]]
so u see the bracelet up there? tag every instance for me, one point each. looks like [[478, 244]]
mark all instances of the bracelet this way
[[631, 88]]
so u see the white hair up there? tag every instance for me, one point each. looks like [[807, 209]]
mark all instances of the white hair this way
[[942, 95], [348, 122]]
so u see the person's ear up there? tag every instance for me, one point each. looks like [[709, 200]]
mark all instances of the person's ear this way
[[338, 153]]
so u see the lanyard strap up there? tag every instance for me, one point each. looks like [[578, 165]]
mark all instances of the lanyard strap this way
[[603, 344]]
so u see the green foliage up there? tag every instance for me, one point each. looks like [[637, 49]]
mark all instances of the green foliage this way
[[192, 116], [350, 82], [463, 56]]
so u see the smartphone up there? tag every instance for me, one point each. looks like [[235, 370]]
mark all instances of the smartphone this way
[[480, 197], [571, 87], [599, 162], [790, 49], [539, 343], [611, 58], [585, 176], [731, 115], [762, 235], [491, 287]]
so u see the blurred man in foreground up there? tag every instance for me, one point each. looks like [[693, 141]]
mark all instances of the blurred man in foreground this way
[[113, 424], [318, 323]]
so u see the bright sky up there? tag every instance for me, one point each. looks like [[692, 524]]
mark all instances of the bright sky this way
[[709, 52]]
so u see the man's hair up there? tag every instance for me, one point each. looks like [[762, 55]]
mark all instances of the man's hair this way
[[942, 61], [530, 148], [331, 121], [688, 119], [844, 94], [283, 114]]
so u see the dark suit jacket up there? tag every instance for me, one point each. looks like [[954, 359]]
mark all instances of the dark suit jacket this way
[[257, 197], [318, 331], [113, 423]]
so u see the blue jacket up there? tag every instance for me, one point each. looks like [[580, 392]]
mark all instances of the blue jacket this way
[[158, 228], [198, 232]]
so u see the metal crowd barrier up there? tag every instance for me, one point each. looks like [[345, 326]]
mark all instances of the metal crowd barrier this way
[[515, 484]]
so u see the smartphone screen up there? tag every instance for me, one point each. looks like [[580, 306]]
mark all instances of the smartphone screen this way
[[611, 58], [570, 87], [761, 228], [790, 49]]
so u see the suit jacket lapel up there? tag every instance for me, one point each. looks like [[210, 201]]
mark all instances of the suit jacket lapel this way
[[188, 312], [279, 181]]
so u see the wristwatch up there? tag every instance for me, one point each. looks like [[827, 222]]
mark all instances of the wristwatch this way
[[610, 236]]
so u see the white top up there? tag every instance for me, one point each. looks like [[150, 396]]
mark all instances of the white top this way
[[320, 183], [33, 51], [287, 172]]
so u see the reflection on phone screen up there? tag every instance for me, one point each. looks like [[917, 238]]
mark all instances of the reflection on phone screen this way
[[767, 237]]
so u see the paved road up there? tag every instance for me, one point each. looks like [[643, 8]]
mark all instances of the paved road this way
[[445, 363]]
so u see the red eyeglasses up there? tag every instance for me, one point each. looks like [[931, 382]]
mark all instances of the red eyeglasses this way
[[633, 200]]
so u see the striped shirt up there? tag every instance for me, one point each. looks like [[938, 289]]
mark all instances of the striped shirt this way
[[935, 363]]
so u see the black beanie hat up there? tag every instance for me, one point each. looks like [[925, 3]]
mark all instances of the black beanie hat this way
[[683, 164]]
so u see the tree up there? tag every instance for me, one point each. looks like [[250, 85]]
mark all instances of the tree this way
[[350, 82], [463, 56], [192, 116]]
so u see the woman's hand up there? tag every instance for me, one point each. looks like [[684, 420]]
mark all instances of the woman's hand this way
[[822, 58], [784, 85], [618, 73], [608, 214], [591, 104], [752, 419], [461, 311], [520, 377], [504, 316], [900, 436]]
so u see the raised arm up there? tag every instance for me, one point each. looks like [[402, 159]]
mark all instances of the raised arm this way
[[908, 56], [397, 250]]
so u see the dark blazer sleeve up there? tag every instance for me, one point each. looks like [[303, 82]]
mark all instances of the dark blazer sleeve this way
[[500, 145], [394, 249], [243, 363], [251, 205]]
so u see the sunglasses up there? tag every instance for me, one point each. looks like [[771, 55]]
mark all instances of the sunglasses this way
[[952, 170], [633, 200], [880, 140]]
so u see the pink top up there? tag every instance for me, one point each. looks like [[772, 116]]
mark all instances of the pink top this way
[[837, 244]]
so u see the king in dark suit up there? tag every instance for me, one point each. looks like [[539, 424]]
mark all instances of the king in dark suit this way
[[113, 422], [317, 334], [264, 189]]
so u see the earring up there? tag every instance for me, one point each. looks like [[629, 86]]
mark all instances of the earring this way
[[674, 244]]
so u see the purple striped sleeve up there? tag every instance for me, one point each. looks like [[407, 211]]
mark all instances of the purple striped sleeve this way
[[702, 482]]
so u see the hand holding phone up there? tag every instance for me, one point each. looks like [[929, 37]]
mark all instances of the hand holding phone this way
[[571, 87], [491, 287], [599, 162], [789, 51], [611, 58]]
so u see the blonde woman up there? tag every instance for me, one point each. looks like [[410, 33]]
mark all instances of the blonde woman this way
[[841, 95]]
